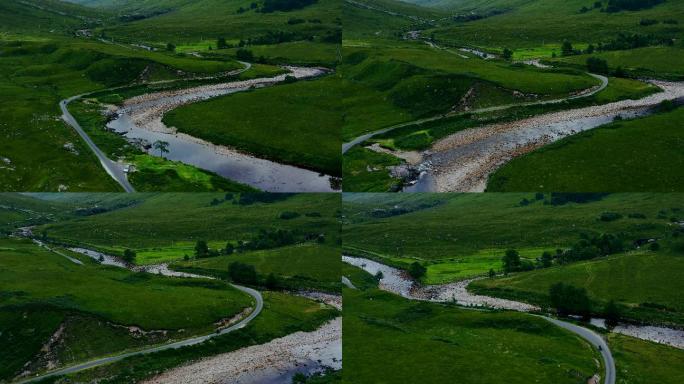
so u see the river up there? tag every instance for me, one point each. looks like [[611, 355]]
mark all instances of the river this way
[[399, 282], [139, 119], [463, 161], [274, 362]]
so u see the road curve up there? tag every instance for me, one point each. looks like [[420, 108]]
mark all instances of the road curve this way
[[589, 92], [403, 288], [112, 168], [175, 345], [594, 339]]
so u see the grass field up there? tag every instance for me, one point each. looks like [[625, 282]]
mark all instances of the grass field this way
[[165, 220], [366, 171], [545, 22], [463, 235], [282, 315], [308, 265], [658, 62], [615, 157], [636, 281], [40, 152], [82, 296], [641, 362], [116, 294], [301, 128], [434, 343], [94, 309]]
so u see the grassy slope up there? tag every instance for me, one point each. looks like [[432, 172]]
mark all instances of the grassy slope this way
[[283, 314], [35, 75], [626, 161], [301, 127], [629, 279], [309, 265], [117, 294], [641, 362], [165, 219], [468, 223], [434, 343], [658, 62], [99, 297], [214, 18], [547, 21]]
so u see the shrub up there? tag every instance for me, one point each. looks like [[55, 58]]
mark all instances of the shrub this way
[[242, 273], [610, 216], [244, 54], [569, 300], [417, 270], [597, 65], [287, 215]]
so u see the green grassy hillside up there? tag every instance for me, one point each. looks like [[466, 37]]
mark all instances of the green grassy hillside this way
[[469, 234], [311, 266], [640, 362], [163, 220], [301, 128], [641, 282], [615, 157], [433, 343], [92, 293]]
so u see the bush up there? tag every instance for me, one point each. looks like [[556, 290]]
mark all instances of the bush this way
[[610, 216], [244, 54], [597, 65], [647, 22], [569, 300], [287, 215], [242, 273], [612, 313], [129, 256], [417, 270]]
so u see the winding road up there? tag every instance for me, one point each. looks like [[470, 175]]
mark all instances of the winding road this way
[[112, 168], [396, 281], [175, 345]]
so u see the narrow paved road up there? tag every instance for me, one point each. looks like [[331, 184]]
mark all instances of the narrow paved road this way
[[347, 282], [591, 91], [394, 281], [594, 339], [178, 344], [112, 168]]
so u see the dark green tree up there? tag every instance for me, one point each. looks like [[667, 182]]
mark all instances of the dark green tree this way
[[566, 48], [417, 270], [242, 273], [201, 249], [129, 256], [511, 261], [272, 281], [612, 313]]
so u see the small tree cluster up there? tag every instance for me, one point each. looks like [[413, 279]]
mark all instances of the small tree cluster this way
[[569, 300]]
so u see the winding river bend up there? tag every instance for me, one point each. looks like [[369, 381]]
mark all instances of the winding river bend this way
[[399, 282], [140, 120], [463, 161], [274, 362]]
